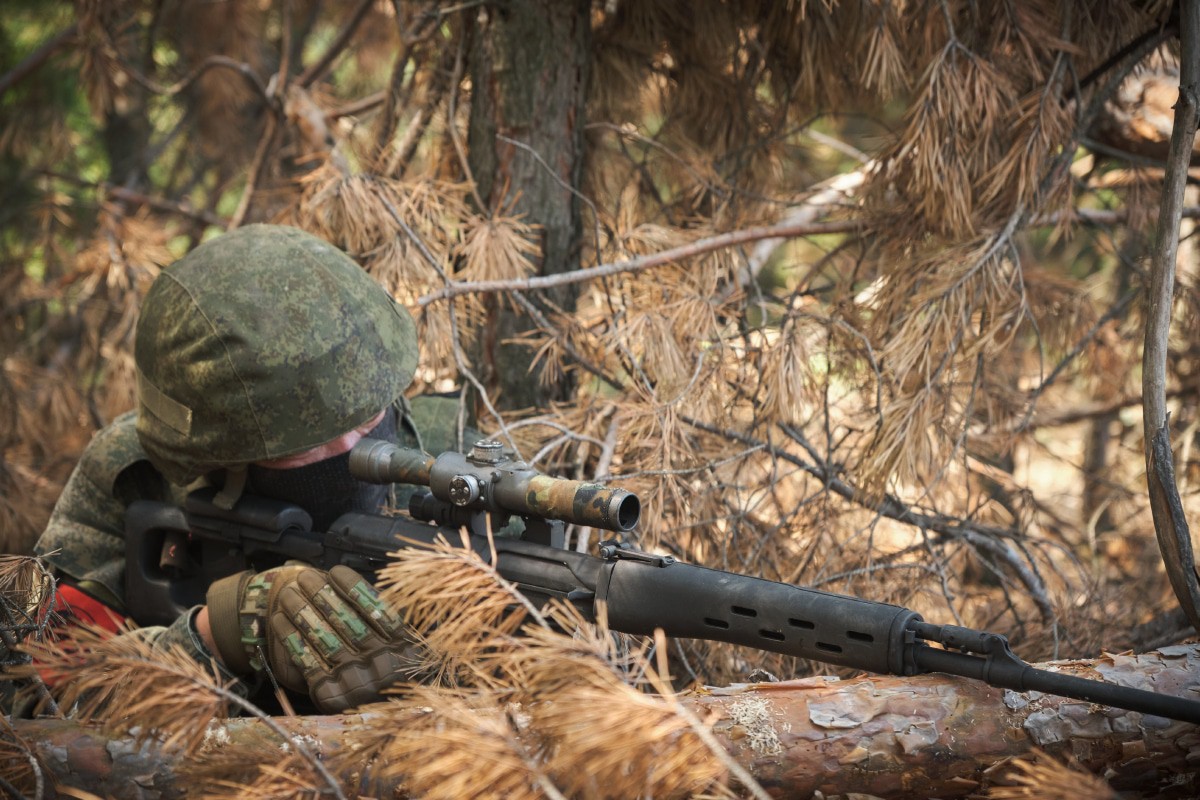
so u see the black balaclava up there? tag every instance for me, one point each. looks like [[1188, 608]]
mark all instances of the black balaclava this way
[[325, 489]]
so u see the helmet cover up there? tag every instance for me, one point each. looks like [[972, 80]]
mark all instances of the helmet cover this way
[[261, 343]]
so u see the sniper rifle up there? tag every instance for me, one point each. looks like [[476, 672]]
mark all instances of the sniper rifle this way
[[174, 554]]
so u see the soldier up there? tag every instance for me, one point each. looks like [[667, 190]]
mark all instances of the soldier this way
[[262, 357]]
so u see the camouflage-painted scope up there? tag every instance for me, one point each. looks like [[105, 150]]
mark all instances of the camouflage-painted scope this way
[[489, 479]]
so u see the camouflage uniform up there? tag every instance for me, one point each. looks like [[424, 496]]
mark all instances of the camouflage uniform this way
[[85, 537], [260, 344]]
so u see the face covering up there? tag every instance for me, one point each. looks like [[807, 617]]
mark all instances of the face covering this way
[[325, 489]]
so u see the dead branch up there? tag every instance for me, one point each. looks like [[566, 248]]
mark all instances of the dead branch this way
[[889, 506], [456, 288], [766, 233], [986, 538], [831, 192], [212, 62], [1170, 522], [35, 59], [356, 107], [163, 204], [318, 67]]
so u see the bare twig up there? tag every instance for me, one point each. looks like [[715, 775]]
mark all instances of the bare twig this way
[[166, 205], [1170, 522], [554, 176], [731, 239], [534, 283], [831, 192], [212, 62], [252, 175], [987, 538], [35, 59], [459, 359], [1117, 309], [318, 67], [162, 204], [889, 506], [452, 127], [273, 115], [392, 95], [356, 107], [540, 320]]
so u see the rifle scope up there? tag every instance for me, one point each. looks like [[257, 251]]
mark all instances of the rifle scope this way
[[490, 479]]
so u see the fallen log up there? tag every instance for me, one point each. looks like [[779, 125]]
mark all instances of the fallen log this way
[[929, 735]]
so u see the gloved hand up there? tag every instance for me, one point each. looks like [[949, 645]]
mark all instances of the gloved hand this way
[[324, 634]]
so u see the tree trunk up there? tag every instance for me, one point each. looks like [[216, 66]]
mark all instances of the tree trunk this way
[[529, 73], [931, 735]]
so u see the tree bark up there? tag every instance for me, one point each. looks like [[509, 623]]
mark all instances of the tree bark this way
[[529, 73], [931, 735]]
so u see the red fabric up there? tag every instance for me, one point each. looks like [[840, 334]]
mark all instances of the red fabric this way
[[79, 607], [76, 607]]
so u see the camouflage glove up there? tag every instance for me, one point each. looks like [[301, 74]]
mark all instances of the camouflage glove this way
[[324, 634]]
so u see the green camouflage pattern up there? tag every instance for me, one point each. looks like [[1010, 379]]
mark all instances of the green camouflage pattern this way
[[366, 598], [333, 628], [182, 636], [332, 620], [262, 343], [301, 654], [253, 611], [85, 537]]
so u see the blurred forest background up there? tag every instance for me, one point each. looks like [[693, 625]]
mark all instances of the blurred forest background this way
[[851, 293]]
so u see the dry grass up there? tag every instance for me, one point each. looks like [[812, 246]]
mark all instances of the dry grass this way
[[1046, 778], [130, 686]]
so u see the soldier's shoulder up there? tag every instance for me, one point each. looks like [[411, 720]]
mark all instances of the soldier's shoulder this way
[[112, 450]]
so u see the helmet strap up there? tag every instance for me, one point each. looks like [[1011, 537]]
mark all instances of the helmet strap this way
[[231, 492]]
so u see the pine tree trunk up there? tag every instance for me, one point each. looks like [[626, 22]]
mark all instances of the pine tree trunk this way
[[926, 736], [529, 72]]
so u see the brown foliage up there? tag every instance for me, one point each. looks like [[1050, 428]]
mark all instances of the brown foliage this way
[[863, 411]]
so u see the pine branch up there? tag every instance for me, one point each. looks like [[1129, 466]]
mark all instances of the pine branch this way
[[534, 283], [986, 538], [732, 239]]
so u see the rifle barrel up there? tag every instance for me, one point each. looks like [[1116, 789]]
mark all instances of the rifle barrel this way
[[1021, 677]]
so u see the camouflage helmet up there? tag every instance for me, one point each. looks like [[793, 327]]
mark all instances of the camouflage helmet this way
[[263, 343]]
